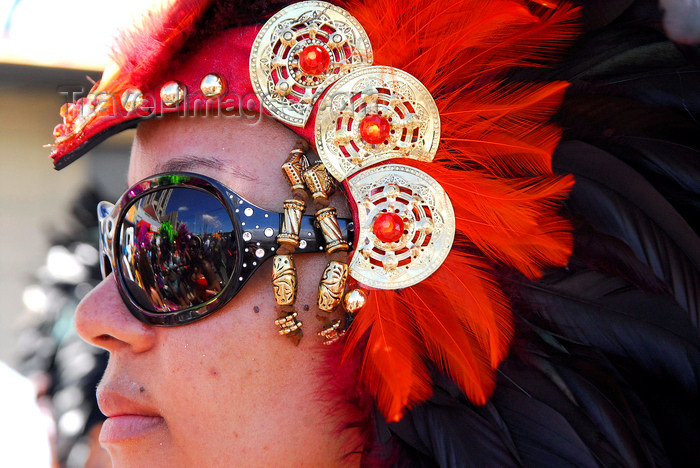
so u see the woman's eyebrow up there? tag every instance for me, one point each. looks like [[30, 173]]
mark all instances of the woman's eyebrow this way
[[189, 162]]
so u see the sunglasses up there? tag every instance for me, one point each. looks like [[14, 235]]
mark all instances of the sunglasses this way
[[182, 245]]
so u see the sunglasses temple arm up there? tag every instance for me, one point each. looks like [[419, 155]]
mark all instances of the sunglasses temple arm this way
[[105, 218], [312, 236]]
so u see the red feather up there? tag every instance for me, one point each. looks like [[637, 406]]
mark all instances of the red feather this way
[[392, 368], [512, 221], [494, 162], [462, 42], [502, 129]]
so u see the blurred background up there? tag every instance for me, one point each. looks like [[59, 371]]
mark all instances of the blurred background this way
[[49, 52]]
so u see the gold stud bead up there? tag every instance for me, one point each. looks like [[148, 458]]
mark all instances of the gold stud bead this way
[[132, 99], [354, 300], [289, 234], [212, 85], [332, 286], [328, 221], [172, 93], [319, 181], [284, 280]]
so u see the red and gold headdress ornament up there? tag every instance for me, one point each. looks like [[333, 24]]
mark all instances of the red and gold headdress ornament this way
[[446, 164]]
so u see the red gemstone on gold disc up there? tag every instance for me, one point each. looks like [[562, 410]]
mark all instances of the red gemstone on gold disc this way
[[374, 129], [314, 60], [388, 227]]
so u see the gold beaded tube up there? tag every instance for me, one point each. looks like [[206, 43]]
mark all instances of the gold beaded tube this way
[[333, 332], [293, 210], [328, 222], [288, 324], [320, 183]]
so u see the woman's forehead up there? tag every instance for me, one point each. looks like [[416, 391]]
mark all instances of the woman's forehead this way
[[239, 153]]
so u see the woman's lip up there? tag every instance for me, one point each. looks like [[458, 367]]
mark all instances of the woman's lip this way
[[123, 427], [126, 418]]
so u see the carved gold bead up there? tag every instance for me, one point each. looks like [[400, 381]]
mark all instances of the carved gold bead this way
[[319, 181], [172, 93], [293, 169], [284, 280], [332, 286], [289, 234]]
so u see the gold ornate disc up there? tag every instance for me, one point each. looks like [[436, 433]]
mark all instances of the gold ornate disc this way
[[373, 114], [301, 51], [425, 219]]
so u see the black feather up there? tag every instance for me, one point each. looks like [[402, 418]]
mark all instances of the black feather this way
[[621, 203]]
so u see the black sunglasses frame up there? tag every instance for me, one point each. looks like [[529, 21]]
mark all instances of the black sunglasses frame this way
[[255, 230]]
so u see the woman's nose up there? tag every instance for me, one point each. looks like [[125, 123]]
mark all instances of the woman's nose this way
[[103, 320]]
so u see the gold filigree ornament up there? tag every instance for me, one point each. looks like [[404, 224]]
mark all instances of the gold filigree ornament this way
[[374, 114], [301, 51], [419, 211]]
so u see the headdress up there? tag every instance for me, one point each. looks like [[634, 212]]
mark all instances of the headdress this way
[[446, 162]]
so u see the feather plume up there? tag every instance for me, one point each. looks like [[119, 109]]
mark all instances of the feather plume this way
[[447, 43], [512, 221], [501, 129], [601, 373], [464, 330], [495, 164], [142, 54], [620, 203]]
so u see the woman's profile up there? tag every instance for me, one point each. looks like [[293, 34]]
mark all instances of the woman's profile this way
[[377, 233]]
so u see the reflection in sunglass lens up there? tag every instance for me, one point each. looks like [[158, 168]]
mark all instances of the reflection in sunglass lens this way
[[177, 249]]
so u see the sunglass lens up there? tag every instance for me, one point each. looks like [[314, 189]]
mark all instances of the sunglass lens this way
[[177, 249]]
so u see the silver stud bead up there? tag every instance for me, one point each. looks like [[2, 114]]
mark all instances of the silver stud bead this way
[[132, 99], [212, 85], [172, 93]]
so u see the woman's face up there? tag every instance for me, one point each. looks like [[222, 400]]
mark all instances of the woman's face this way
[[226, 390]]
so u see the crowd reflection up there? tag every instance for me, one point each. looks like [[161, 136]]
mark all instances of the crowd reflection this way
[[178, 248]]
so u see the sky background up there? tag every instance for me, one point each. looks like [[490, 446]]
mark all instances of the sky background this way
[[63, 33]]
